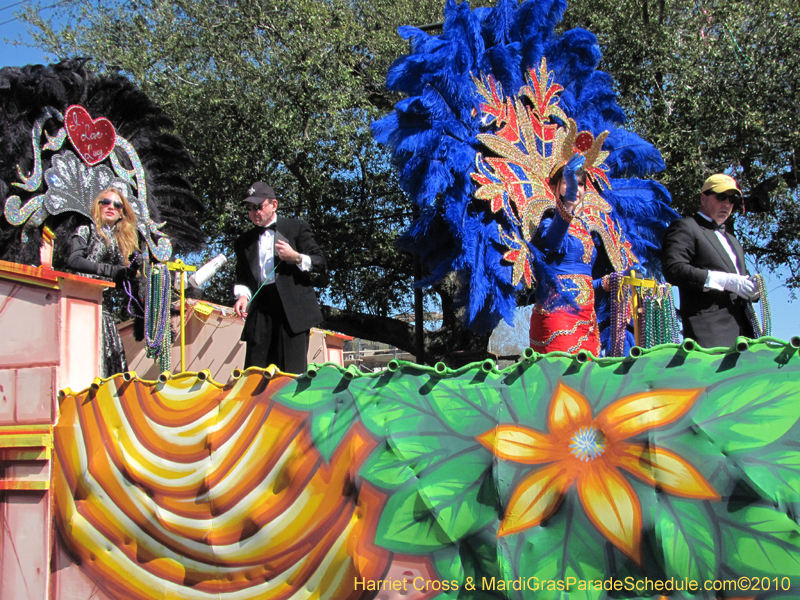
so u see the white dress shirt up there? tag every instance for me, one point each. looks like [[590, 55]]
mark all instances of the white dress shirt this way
[[266, 258]]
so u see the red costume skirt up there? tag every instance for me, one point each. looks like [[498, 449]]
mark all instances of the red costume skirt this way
[[565, 330]]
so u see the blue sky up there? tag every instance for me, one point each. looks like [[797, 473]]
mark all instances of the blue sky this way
[[11, 29], [785, 312]]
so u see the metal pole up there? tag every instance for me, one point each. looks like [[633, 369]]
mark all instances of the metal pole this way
[[180, 267], [183, 321]]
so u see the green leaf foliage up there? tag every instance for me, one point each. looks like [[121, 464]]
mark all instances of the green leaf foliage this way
[[302, 394], [446, 503], [445, 492], [743, 414], [399, 459], [469, 562], [761, 541], [686, 537], [776, 475], [395, 404], [330, 424], [427, 426], [467, 408], [562, 550]]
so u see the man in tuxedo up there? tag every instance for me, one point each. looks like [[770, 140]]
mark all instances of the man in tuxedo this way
[[273, 289], [707, 264]]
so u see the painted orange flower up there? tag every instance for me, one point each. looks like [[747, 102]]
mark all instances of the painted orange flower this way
[[589, 452]]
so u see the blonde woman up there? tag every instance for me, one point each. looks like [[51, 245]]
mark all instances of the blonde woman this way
[[104, 248]]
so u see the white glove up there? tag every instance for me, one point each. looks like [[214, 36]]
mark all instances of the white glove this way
[[756, 295], [741, 285]]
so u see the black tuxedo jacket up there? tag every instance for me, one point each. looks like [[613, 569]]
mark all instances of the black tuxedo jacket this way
[[691, 249], [293, 285]]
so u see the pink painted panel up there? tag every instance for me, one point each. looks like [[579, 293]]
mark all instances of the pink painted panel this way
[[25, 471], [8, 379], [35, 395], [25, 546], [74, 286], [29, 322], [336, 355], [220, 357], [407, 571], [80, 359], [68, 581]]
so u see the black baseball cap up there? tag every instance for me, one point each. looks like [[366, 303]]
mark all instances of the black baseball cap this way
[[258, 192]]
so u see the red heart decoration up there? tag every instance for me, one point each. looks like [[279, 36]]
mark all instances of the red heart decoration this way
[[93, 139]]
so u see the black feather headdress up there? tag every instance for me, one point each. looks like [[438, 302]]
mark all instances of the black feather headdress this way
[[46, 174]]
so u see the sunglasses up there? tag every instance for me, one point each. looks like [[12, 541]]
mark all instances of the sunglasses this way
[[256, 207], [734, 198], [107, 201]]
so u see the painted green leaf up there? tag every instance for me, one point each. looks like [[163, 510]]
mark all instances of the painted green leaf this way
[[396, 405], [329, 425], [775, 475], [604, 383], [567, 548], [309, 394], [453, 500], [748, 413], [455, 562], [398, 459], [468, 409], [469, 562], [760, 541], [686, 537], [693, 443], [529, 392]]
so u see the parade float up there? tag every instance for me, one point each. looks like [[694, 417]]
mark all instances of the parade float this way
[[670, 471]]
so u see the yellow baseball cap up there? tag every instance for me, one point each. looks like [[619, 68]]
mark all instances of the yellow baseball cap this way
[[720, 183]]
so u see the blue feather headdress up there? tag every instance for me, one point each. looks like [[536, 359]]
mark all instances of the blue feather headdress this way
[[491, 105]]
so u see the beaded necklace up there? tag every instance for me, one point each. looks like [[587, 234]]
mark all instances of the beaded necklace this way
[[659, 318], [620, 297], [765, 326], [132, 299], [126, 285], [158, 333]]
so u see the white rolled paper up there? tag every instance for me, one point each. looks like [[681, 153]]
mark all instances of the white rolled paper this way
[[207, 271]]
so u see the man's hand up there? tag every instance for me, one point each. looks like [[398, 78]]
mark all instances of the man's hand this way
[[757, 294], [286, 252], [741, 285], [241, 306]]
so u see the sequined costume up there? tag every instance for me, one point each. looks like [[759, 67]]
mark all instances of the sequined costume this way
[[571, 251], [488, 109], [90, 255]]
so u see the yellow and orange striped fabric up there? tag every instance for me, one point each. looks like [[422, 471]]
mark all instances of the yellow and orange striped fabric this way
[[192, 489]]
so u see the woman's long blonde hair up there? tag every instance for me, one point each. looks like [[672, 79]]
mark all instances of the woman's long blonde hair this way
[[125, 230]]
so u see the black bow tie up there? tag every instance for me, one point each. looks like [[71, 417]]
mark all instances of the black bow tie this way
[[712, 225], [273, 227]]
